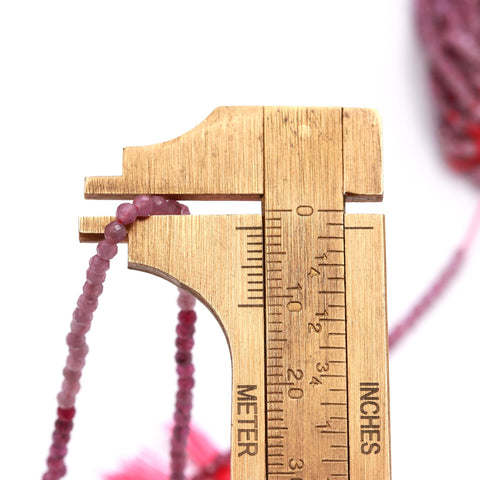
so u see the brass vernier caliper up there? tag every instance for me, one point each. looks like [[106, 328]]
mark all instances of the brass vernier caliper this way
[[299, 290]]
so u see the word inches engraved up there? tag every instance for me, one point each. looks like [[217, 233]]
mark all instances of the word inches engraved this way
[[370, 418], [247, 420]]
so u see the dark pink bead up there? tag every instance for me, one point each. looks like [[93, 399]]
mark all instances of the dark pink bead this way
[[107, 250], [127, 213], [185, 370], [184, 343], [91, 290], [60, 439], [187, 317], [55, 463], [158, 205], [65, 414], [71, 375], [115, 232], [185, 330], [80, 328], [183, 358], [95, 278], [64, 426], [87, 304], [98, 264], [184, 396], [181, 418], [186, 382], [75, 340], [81, 316], [172, 207], [144, 205], [58, 451]]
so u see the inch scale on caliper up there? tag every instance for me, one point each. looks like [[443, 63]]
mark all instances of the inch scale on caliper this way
[[298, 290]]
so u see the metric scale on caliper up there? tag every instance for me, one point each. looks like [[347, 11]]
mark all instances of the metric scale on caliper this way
[[299, 290]]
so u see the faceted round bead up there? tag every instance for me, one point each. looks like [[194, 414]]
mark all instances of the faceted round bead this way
[[58, 451], [187, 317], [70, 387], [66, 400], [184, 343], [81, 316], [71, 375], [65, 414], [60, 439], [184, 210], [185, 370], [115, 232], [127, 213], [75, 340], [144, 205], [186, 382], [95, 278], [78, 352], [172, 207], [98, 264], [158, 205], [76, 364], [184, 396], [186, 301], [185, 330], [91, 290], [183, 358], [80, 328], [107, 250], [87, 304]]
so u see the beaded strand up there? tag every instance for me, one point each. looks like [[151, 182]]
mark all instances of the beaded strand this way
[[115, 232]]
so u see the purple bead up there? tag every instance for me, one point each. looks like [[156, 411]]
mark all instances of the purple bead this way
[[115, 232], [65, 400], [95, 278], [172, 207], [87, 304], [98, 264], [186, 301], [91, 290], [75, 340], [184, 210], [144, 205], [79, 328], [127, 213], [158, 205], [71, 375], [81, 316], [106, 250]]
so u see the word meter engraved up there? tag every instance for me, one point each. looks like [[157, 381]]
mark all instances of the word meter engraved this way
[[306, 350]]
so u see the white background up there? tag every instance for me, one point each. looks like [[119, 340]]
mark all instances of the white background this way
[[81, 80]]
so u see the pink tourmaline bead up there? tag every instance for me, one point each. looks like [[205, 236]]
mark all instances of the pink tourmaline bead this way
[[183, 358], [75, 340], [184, 343], [71, 375], [58, 451], [185, 330], [172, 207], [158, 205], [185, 370], [75, 363], [81, 316], [60, 439], [95, 278], [87, 304], [80, 328], [91, 290], [186, 301], [144, 205], [127, 213], [184, 210], [107, 250], [81, 351], [115, 232], [186, 382], [71, 387], [98, 264], [66, 400], [187, 317], [66, 415]]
